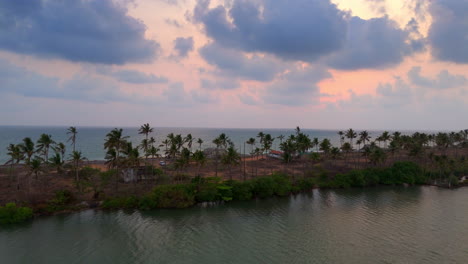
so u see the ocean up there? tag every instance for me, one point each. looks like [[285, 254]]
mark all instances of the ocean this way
[[90, 140]]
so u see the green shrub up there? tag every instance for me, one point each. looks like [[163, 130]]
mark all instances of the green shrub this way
[[225, 192], [264, 187], [11, 214], [60, 201], [304, 184], [131, 202], [282, 185], [206, 189], [174, 196], [242, 191]]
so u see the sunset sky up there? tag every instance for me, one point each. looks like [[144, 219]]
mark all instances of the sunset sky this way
[[366, 64]]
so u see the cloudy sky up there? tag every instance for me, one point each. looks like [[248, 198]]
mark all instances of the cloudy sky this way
[[366, 64]]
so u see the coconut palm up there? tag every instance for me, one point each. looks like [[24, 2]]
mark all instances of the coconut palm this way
[[76, 158], [385, 137], [189, 140], [200, 159], [325, 146], [218, 142], [44, 143], [280, 137], [60, 148], [14, 151], [27, 149], [351, 134], [364, 137], [35, 167], [231, 158], [114, 144], [341, 134], [145, 129], [200, 142], [72, 132], [56, 162]]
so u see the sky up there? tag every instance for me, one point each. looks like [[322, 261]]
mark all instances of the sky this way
[[320, 64]]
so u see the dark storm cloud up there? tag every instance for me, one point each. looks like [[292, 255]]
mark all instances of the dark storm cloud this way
[[307, 30], [76, 30], [234, 64], [374, 43], [448, 34], [292, 30]]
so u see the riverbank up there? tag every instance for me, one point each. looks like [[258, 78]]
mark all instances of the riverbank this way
[[216, 189]]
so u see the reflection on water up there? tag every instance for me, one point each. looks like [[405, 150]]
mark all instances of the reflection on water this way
[[375, 225]]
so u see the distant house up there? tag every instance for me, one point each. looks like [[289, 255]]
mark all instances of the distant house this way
[[275, 154]]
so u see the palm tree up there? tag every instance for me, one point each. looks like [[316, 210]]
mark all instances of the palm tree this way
[[280, 137], [351, 134], [145, 129], [27, 149], [325, 146], [335, 153], [316, 143], [72, 132], [114, 144], [43, 145], [217, 141], [231, 158], [341, 134], [261, 136], [385, 137], [56, 161], [199, 142], [35, 167], [200, 159], [189, 140], [60, 149], [346, 148], [76, 159], [364, 137], [14, 151]]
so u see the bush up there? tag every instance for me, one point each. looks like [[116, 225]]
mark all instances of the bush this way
[[304, 184], [206, 189], [283, 185], [131, 202], [60, 201], [264, 187], [12, 214], [174, 196], [242, 191]]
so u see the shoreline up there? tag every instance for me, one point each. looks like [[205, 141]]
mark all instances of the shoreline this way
[[201, 192]]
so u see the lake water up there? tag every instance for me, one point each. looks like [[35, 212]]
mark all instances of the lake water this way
[[375, 225]]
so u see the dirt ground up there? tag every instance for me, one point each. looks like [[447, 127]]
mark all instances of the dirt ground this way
[[19, 186]]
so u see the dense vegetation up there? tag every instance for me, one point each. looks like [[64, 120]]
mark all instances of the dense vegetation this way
[[11, 214], [214, 189]]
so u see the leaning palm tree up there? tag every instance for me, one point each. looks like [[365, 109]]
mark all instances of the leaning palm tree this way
[[27, 149], [72, 132], [44, 143]]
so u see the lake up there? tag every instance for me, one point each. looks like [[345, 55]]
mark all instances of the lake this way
[[374, 225]]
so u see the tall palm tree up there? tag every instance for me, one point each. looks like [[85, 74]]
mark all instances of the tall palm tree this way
[[77, 159], [60, 148], [364, 137], [145, 129], [200, 159], [14, 151], [341, 134], [218, 142], [35, 167], [385, 137], [231, 158], [351, 134], [114, 144], [251, 142], [280, 137], [56, 162], [72, 132], [189, 140], [44, 143], [27, 149], [200, 142]]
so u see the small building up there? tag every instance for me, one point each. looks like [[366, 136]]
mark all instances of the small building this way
[[275, 154]]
